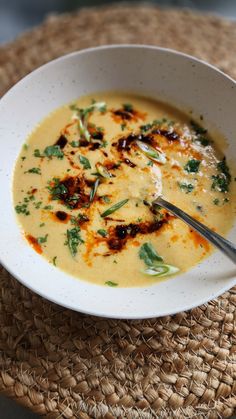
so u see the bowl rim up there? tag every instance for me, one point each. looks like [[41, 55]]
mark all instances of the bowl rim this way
[[11, 91]]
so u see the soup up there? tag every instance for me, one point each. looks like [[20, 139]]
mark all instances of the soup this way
[[86, 179]]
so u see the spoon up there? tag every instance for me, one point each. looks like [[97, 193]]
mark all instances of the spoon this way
[[225, 246]]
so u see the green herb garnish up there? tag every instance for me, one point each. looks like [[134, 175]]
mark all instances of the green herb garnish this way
[[102, 232], [22, 209], [42, 225], [35, 170], [197, 128], [128, 107], [149, 255], [57, 189], [79, 218], [204, 141], [85, 162], [53, 151], [37, 153], [94, 190], [222, 180], [102, 171], [192, 166], [111, 284], [83, 115], [106, 199], [151, 152], [154, 262], [25, 147], [54, 261], [216, 201], [43, 239], [50, 151], [37, 204], [114, 208], [73, 240], [74, 143], [123, 126], [146, 127], [186, 187], [48, 207]]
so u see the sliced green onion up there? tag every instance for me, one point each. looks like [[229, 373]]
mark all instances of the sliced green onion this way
[[114, 208], [102, 170], [83, 130], [161, 269], [100, 106], [94, 189], [82, 115], [151, 152]]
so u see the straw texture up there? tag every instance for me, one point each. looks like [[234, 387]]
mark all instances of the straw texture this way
[[62, 364]]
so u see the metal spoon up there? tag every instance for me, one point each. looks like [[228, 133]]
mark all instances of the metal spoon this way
[[225, 246]]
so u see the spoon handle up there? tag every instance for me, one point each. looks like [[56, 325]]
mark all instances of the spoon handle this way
[[228, 248]]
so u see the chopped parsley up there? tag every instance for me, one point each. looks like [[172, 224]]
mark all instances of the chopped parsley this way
[[35, 170], [111, 284], [216, 201], [48, 207], [192, 166], [54, 260], [57, 189], [186, 187], [73, 240], [204, 141], [102, 232], [85, 162], [150, 163], [128, 107], [53, 151], [123, 126], [37, 153], [42, 225], [146, 127], [25, 147], [37, 204], [42, 239], [222, 180], [50, 151], [201, 134], [197, 128], [22, 209]]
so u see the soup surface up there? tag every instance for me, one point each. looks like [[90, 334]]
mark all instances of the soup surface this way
[[86, 178]]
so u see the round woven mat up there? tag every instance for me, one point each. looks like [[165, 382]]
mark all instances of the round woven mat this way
[[66, 365]]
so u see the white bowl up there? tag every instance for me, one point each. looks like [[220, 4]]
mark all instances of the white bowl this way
[[173, 77]]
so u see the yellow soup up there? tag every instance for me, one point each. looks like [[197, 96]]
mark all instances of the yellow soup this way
[[86, 178]]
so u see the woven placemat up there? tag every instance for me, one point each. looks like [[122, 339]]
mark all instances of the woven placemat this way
[[66, 365]]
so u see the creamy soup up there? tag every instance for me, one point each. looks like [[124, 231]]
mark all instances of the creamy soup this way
[[86, 178]]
